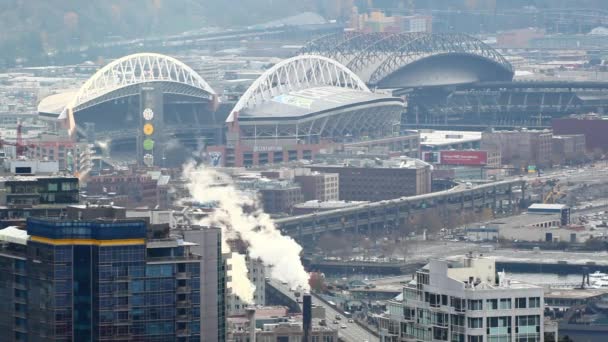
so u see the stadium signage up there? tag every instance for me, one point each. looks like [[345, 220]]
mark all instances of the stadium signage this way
[[272, 148]]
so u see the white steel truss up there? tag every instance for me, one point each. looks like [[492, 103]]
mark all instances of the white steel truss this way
[[297, 73]]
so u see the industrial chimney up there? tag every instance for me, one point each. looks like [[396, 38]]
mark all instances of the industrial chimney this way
[[251, 317], [307, 317]]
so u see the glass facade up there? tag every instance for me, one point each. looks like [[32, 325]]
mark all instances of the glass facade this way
[[99, 281], [41, 190]]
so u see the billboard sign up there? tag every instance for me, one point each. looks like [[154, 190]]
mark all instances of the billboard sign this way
[[477, 158]]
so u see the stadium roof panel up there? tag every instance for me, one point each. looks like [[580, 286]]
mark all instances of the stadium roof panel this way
[[302, 103], [378, 57], [54, 104]]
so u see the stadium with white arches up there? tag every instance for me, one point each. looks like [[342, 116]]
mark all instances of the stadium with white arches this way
[[109, 104], [307, 99], [301, 105]]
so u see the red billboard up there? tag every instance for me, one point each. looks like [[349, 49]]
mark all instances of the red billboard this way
[[464, 157]]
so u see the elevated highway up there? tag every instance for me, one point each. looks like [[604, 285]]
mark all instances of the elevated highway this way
[[279, 294], [398, 212]]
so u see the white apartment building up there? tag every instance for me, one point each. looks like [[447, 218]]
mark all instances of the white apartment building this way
[[465, 301], [257, 276]]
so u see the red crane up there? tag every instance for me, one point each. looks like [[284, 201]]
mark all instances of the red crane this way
[[20, 147]]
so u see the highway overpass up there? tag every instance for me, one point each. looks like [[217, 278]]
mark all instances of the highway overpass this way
[[398, 212]]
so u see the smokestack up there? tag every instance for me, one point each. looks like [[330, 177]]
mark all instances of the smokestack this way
[[251, 317], [307, 317]]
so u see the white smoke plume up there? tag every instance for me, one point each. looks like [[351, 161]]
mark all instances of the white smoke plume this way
[[239, 282], [254, 227]]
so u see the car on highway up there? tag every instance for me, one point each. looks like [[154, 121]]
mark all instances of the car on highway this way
[[351, 321], [336, 322], [343, 326]]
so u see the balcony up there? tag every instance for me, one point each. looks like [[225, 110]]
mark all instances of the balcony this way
[[20, 314], [184, 303], [182, 332], [121, 307], [20, 328], [458, 329], [183, 275], [174, 258], [184, 289], [183, 318], [121, 278]]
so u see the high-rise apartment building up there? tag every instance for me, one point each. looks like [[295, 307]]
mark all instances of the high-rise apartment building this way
[[213, 283], [97, 276], [465, 301]]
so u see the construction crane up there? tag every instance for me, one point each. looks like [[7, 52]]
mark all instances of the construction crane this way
[[554, 194], [20, 147]]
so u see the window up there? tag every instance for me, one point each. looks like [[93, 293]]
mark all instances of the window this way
[[520, 303], [527, 328], [499, 322], [159, 270], [458, 304], [457, 320], [440, 334], [505, 303], [137, 286], [532, 320], [492, 304], [499, 329], [475, 322], [534, 302], [476, 304]]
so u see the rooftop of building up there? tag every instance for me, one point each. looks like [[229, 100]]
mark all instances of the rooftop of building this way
[[261, 313], [34, 178], [266, 184], [316, 204], [543, 206], [521, 221], [519, 131], [393, 163], [14, 235], [441, 138], [476, 272]]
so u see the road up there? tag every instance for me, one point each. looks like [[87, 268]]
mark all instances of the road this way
[[352, 333]]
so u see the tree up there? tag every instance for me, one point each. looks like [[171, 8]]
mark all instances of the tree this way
[[317, 282]]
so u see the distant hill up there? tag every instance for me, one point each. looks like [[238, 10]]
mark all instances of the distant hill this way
[[30, 28], [34, 27]]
